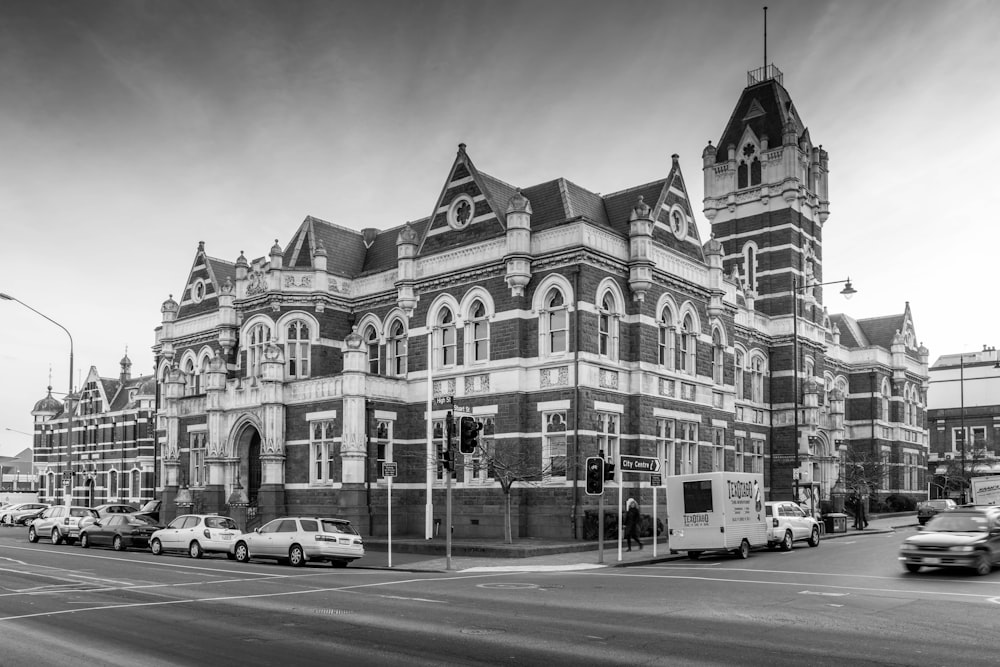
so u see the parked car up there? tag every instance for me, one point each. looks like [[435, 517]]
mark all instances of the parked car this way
[[788, 523], [59, 524], [927, 509], [108, 509], [18, 513], [197, 534], [119, 531], [151, 509], [963, 537], [302, 539]]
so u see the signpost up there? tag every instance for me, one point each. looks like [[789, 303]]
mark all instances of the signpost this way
[[642, 465], [389, 471]]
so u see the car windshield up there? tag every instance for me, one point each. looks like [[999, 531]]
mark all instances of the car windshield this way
[[959, 523], [338, 527]]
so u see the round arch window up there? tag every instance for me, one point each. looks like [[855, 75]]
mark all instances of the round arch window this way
[[461, 212]]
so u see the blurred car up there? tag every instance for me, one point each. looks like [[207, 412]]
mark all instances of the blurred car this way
[[197, 534], [151, 509], [787, 522], [59, 523], [119, 531], [18, 514], [929, 508], [299, 540], [963, 537]]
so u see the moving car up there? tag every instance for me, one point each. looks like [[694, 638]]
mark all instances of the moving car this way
[[18, 513], [59, 523], [788, 523], [927, 509], [964, 537], [119, 531], [197, 534], [302, 539]]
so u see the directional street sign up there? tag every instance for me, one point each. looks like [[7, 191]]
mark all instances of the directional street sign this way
[[639, 464]]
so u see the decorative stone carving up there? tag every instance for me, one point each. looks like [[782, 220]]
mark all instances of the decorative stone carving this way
[[555, 377]]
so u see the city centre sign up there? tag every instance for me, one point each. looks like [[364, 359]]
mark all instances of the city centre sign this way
[[638, 464]]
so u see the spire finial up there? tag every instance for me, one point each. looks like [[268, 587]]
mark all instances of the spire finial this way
[[765, 38]]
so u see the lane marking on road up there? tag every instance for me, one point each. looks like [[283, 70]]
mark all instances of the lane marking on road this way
[[978, 583], [400, 597], [256, 596], [822, 593], [798, 583]]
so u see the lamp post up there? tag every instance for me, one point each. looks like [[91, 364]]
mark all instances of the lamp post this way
[[69, 391], [847, 292]]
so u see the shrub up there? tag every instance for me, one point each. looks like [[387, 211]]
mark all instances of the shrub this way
[[899, 502]]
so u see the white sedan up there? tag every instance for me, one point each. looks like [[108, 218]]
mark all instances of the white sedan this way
[[197, 534]]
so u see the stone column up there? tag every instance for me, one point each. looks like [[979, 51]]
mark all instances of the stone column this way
[[353, 447]]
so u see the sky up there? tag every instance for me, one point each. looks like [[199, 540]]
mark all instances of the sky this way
[[131, 130]]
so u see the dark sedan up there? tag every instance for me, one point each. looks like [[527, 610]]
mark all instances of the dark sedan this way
[[119, 531], [927, 509]]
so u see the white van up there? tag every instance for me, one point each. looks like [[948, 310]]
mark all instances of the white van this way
[[716, 511]]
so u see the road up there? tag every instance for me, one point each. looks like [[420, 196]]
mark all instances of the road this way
[[847, 601]]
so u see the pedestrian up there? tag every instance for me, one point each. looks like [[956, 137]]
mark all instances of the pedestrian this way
[[855, 503], [864, 511], [632, 523]]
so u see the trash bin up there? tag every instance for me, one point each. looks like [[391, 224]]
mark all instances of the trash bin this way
[[835, 522]]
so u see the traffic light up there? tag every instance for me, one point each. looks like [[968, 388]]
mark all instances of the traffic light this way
[[595, 475], [469, 436], [609, 471]]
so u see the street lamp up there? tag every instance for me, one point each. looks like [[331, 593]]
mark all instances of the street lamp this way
[[847, 292], [69, 394]]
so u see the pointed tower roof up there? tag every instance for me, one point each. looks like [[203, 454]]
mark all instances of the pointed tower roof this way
[[766, 108]]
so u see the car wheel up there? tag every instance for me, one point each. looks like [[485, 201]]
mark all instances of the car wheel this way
[[156, 547], [32, 535], [295, 556], [814, 537], [338, 563], [693, 555], [56, 536], [912, 567], [983, 565], [118, 544], [195, 550], [242, 552], [786, 542], [744, 551], [84, 541]]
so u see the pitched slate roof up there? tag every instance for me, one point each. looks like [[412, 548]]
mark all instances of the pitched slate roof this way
[[851, 335], [881, 330]]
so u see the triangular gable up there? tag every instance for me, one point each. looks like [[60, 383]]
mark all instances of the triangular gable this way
[[754, 111], [205, 280], [467, 210]]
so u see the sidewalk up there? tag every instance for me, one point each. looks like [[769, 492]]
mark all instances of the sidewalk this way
[[538, 555]]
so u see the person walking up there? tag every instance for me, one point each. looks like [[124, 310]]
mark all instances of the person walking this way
[[632, 523]]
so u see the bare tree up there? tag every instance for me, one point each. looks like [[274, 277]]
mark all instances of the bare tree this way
[[864, 471], [509, 465]]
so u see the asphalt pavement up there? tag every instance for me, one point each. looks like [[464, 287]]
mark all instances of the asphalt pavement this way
[[537, 555]]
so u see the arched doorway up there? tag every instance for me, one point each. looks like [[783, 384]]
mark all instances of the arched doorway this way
[[250, 470], [90, 492]]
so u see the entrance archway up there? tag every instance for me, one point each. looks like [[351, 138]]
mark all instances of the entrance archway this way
[[248, 448], [90, 492]]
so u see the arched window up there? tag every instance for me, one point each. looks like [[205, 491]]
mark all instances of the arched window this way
[[446, 337], [190, 378], [136, 487], [755, 171], [556, 320], [667, 350], [607, 327], [372, 346], [202, 370], [479, 332], [257, 338], [884, 400], [741, 175], [297, 349], [740, 381], [750, 266], [718, 356], [112, 484], [396, 347], [757, 372], [688, 346]]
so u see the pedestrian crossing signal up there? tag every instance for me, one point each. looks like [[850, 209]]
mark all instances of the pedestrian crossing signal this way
[[595, 475]]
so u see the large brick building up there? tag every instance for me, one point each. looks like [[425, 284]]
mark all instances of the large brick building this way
[[566, 322]]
